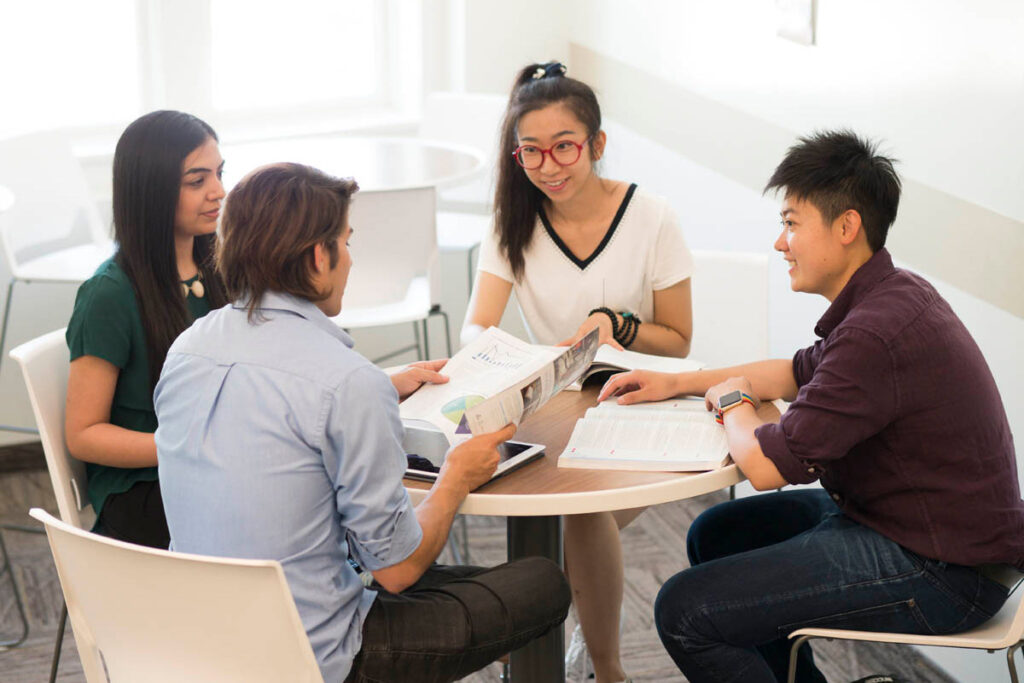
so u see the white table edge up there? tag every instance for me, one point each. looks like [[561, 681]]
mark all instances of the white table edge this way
[[643, 495]]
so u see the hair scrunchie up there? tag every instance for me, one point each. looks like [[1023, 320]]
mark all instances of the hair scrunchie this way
[[549, 70]]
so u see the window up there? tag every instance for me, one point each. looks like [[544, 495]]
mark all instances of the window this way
[[57, 72], [259, 66]]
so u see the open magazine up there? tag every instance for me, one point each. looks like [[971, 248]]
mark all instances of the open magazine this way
[[495, 380], [677, 435], [610, 359]]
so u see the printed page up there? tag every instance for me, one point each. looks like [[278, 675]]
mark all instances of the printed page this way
[[491, 363], [647, 437], [522, 400], [610, 358]]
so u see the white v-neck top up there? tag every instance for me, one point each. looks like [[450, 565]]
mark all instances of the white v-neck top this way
[[642, 252]]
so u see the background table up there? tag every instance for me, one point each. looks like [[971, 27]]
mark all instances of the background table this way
[[535, 496], [377, 163]]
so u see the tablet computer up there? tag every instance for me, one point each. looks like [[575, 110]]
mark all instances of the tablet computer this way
[[425, 450]]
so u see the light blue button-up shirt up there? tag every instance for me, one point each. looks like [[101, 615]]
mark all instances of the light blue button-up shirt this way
[[278, 441]]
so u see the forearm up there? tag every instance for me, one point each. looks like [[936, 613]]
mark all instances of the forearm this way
[[740, 423], [107, 444], [769, 379], [435, 515], [660, 340]]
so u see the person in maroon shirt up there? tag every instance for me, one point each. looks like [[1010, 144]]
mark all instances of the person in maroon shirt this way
[[894, 411]]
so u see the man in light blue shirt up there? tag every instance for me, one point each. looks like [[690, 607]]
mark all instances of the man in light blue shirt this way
[[277, 440]]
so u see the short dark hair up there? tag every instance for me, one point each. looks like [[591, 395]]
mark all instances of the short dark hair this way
[[837, 171], [273, 219], [516, 200]]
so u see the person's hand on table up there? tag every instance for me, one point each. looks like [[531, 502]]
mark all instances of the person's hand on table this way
[[741, 384], [605, 336], [416, 375], [638, 386], [471, 463]]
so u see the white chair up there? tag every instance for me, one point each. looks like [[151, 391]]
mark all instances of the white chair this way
[[1003, 631], [51, 231], [160, 616], [395, 277], [730, 307], [44, 365]]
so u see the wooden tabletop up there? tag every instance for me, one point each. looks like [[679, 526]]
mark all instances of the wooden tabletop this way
[[542, 488]]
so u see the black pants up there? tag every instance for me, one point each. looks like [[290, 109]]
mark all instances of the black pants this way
[[457, 620], [136, 516]]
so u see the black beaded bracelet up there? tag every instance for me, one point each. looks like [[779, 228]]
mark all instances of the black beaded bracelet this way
[[631, 325], [611, 315]]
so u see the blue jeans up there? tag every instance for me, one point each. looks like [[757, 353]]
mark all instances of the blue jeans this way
[[765, 566]]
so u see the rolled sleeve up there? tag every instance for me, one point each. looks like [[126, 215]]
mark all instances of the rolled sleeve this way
[[364, 458], [849, 397]]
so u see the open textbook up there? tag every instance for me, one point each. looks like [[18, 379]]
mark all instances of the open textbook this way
[[611, 359], [494, 380], [677, 435]]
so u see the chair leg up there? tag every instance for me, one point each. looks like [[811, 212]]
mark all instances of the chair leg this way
[[419, 344], [732, 492], [426, 339], [437, 310], [793, 652], [8, 567], [3, 342], [454, 547], [1009, 661], [464, 532], [58, 644]]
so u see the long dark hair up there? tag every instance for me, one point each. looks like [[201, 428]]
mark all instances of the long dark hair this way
[[516, 199], [147, 183]]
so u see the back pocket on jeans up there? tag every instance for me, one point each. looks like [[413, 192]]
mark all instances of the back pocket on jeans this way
[[903, 616]]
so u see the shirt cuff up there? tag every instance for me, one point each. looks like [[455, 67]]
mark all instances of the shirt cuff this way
[[374, 554], [772, 439]]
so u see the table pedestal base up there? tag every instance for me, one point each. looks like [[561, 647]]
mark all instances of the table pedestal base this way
[[543, 659]]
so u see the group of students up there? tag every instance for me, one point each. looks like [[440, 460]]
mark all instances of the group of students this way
[[220, 411]]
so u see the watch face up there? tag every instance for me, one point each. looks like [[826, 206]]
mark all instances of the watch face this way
[[730, 399]]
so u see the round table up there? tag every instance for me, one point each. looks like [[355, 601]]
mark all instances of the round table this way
[[534, 497], [377, 163]]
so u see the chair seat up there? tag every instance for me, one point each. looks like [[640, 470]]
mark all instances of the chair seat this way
[[461, 231], [74, 264], [415, 306]]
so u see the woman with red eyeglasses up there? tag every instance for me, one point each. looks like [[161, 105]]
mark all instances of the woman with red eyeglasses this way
[[580, 251]]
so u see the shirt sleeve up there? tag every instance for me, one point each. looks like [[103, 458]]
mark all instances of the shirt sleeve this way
[[101, 322], [364, 458], [673, 261], [850, 397], [491, 259]]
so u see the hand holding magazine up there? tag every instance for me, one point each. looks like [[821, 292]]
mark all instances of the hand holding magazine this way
[[495, 380]]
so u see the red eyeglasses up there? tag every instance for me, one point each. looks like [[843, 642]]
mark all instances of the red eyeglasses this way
[[563, 153]]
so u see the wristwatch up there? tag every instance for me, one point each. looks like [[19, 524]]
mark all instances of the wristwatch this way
[[727, 402]]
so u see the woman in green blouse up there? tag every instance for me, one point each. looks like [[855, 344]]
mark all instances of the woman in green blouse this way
[[167, 197]]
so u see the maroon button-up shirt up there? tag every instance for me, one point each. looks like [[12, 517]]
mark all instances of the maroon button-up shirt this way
[[898, 416]]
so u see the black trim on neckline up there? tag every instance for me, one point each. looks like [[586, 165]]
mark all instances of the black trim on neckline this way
[[582, 264]]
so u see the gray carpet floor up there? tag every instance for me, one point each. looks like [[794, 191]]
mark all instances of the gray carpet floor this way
[[653, 546]]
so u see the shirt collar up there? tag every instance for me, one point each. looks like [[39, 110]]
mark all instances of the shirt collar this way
[[874, 270], [279, 301]]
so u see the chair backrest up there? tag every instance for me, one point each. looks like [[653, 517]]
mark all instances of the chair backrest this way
[[394, 241], [52, 208], [154, 615], [730, 307], [44, 364]]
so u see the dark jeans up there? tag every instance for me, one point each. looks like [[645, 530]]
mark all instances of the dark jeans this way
[[136, 516], [456, 620], [768, 565]]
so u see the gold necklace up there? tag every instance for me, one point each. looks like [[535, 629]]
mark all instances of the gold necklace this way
[[197, 289]]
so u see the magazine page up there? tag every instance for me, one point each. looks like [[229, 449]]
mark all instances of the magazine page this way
[[524, 398], [488, 365], [679, 435], [610, 358]]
